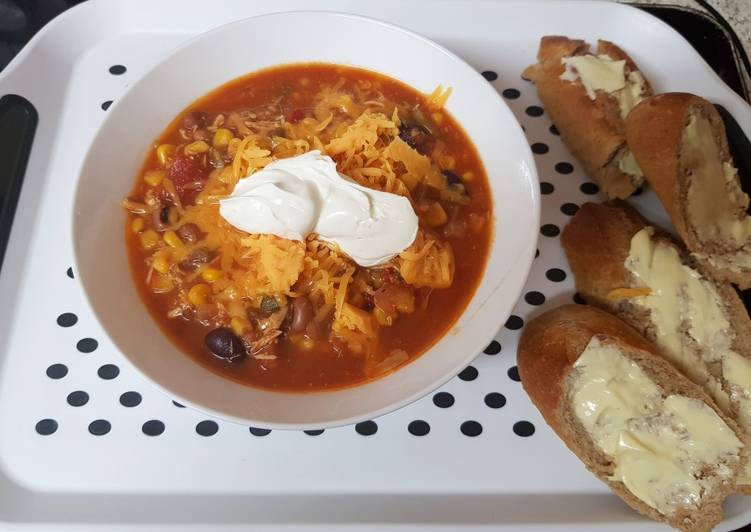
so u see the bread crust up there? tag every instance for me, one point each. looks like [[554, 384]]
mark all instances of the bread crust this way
[[654, 130], [597, 242], [550, 345], [592, 129]]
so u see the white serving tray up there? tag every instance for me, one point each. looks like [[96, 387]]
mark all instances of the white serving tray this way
[[341, 479]]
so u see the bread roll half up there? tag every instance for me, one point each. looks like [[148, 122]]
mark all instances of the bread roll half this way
[[587, 97], [680, 143], [648, 279], [655, 438]]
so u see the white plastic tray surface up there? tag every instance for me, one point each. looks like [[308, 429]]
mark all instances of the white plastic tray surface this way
[[100, 469]]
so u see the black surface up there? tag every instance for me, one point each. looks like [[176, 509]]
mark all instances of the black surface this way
[[708, 37], [18, 121]]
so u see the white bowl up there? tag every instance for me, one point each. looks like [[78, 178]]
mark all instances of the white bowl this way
[[228, 52]]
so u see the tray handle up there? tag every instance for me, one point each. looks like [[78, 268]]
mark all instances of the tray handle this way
[[18, 122]]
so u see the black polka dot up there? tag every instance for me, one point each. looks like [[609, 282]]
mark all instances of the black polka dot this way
[[638, 191], [471, 428], [555, 274], [511, 94], [490, 75], [534, 298], [313, 432], [537, 253], [554, 130], [564, 168], [569, 209], [443, 400], [259, 432], [589, 188], [69, 273], [534, 110], [57, 371], [106, 105], [108, 372], [117, 70], [540, 148], [366, 428], [493, 348], [550, 230], [546, 188], [207, 428], [178, 405], [524, 428], [495, 400], [87, 345], [153, 427], [578, 299], [99, 427], [78, 398], [469, 373], [45, 427], [514, 322], [67, 319], [513, 374], [418, 427], [130, 399]]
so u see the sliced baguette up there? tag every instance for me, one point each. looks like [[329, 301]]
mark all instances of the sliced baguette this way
[[592, 129], [699, 204], [597, 243], [549, 348]]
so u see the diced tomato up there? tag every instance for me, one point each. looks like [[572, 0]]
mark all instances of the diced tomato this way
[[183, 170], [187, 174], [296, 116]]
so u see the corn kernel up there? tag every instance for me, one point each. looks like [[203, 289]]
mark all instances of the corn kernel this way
[[239, 326], [194, 148], [161, 284], [164, 152], [153, 177], [161, 264], [435, 215], [173, 216], [235, 308], [468, 176], [437, 118], [211, 274], [137, 225], [198, 294], [307, 343], [149, 239], [172, 240], [221, 138]]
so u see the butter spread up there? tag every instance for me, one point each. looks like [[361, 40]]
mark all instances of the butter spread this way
[[691, 325], [660, 447], [603, 73], [294, 197], [716, 204], [628, 165]]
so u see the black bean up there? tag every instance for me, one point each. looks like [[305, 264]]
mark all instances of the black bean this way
[[452, 178], [302, 313], [164, 215], [417, 136], [189, 233], [269, 305], [224, 343], [195, 259]]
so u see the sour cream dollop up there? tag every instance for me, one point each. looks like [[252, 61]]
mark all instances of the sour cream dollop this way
[[292, 198]]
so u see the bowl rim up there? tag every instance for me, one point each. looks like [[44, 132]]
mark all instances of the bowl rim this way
[[525, 257]]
